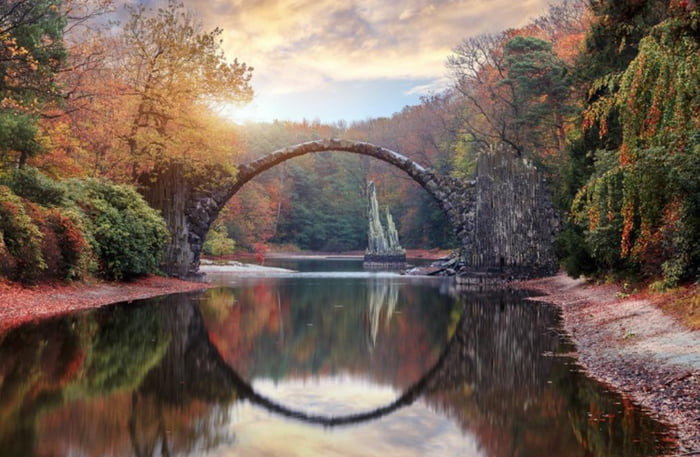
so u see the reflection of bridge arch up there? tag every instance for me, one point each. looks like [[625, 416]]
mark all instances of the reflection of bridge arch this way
[[193, 369], [410, 395], [201, 209]]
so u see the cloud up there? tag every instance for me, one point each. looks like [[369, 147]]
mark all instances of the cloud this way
[[435, 85], [355, 40], [300, 46]]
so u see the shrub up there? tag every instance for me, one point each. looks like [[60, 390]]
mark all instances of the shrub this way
[[21, 255], [76, 260], [32, 185], [218, 243], [126, 234]]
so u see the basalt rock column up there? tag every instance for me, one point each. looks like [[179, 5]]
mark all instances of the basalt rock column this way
[[383, 248]]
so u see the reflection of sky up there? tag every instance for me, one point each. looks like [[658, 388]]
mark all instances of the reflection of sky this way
[[415, 430]]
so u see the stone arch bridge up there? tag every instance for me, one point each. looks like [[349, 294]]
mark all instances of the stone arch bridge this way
[[503, 217]]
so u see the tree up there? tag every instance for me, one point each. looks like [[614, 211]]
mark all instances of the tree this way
[[173, 66], [645, 194], [478, 67], [31, 54], [540, 92], [515, 89]]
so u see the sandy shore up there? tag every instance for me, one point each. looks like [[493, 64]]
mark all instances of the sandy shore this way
[[635, 348], [238, 268]]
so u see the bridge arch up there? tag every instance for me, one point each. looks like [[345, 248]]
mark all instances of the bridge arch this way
[[503, 218], [423, 176], [204, 208]]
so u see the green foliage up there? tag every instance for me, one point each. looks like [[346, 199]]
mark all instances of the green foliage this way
[[423, 223], [640, 207], [30, 57], [574, 253], [127, 235], [58, 230], [463, 157], [30, 183], [541, 89], [327, 210], [218, 242], [613, 38], [17, 133]]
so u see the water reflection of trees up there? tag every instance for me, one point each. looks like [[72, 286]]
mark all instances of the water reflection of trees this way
[[148, 381], [505, 382], [288, 330], [91, 385]]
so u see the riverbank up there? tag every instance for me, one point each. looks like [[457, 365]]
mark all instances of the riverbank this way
[[21, 304], [631, 345]]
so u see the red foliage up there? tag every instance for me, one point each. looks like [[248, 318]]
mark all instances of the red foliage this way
[[71, 242], [260, 251]]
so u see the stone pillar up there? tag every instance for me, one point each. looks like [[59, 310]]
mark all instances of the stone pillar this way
[[514, 222]]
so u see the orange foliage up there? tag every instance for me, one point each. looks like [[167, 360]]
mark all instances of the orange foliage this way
[[628, 209]]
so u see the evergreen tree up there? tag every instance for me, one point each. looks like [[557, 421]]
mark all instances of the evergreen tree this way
[[31, 53]]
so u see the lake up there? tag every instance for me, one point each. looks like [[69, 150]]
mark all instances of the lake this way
[[327, 361]]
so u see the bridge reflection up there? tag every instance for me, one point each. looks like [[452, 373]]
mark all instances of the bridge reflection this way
[[493, 352], [206, 375]]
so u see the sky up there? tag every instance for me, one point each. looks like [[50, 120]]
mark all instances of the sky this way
[[349, 60]]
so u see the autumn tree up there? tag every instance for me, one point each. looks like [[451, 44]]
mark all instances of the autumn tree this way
[[72, 130], [515, 89], [478, 66], [173, 67]]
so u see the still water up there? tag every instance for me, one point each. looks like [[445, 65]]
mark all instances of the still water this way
[[330, 361]]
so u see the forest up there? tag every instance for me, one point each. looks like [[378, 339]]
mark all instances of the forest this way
[[602, 96]]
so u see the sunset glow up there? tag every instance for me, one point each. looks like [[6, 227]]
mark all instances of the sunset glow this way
[[349, 60]]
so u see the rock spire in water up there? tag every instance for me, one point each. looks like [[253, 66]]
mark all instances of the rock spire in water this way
[[382, 242]]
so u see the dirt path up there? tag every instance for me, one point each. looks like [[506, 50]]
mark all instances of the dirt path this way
[[635, 348], [19, 304]]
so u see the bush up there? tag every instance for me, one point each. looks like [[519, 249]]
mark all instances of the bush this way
[[574, 253], [54, 230], [21, 257], [218, 243], [126, 234], [30, 184], [76, 258], [40, 243]]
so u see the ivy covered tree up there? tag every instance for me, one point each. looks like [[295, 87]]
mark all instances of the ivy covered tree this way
[[640, 208]]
